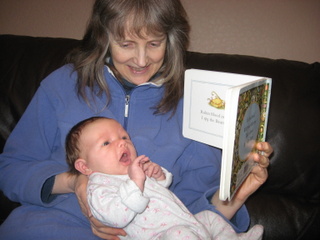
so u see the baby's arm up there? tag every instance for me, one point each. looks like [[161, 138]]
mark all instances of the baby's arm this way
[[104, 198]]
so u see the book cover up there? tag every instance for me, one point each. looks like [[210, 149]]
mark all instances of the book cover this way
[[227, 111]]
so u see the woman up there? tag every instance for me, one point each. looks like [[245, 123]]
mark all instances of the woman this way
[[130, 68]]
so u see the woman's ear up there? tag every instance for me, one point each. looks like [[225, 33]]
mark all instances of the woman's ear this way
[[81, 165]]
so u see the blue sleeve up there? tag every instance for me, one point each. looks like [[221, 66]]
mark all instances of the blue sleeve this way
[[197, 178], [46, 190], [29, 159]]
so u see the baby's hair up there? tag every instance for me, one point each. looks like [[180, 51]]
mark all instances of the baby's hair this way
[[72, 142]]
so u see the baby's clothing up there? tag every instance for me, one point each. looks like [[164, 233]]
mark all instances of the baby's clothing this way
[[219, 229], [157, 213]]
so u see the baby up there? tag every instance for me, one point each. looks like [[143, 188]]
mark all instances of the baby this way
[[131, 192]]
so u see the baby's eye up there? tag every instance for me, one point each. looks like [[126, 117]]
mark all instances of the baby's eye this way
[[124, 137], [105, 143]]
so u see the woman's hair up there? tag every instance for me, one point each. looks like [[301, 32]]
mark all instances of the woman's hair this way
[[72, 143], [153, 16]]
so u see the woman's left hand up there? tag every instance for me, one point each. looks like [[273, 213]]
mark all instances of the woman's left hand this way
[[256, 178], [259, 173]]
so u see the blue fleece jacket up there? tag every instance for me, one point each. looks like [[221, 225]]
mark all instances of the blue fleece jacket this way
[[35, 152]]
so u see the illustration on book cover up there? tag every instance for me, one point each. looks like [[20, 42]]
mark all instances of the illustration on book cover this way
[[216, 101], [250, 126]]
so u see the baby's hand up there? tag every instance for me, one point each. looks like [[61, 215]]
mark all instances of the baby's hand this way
[[136, 171], [153, 170]]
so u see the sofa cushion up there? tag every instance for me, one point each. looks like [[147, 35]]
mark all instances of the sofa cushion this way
[[25, 61]]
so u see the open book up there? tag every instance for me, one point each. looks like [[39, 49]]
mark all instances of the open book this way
[[227, 111]]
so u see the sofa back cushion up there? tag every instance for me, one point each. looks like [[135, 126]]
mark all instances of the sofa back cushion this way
[[24, 62]]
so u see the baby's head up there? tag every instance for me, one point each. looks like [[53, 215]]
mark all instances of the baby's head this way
[[99, 144]]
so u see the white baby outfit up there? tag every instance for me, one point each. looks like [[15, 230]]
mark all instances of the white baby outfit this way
[[157, 213]]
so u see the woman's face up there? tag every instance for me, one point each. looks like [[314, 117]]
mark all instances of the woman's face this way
[[138, 59]]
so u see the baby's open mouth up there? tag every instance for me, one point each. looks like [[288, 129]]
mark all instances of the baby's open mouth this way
[[125, 158]]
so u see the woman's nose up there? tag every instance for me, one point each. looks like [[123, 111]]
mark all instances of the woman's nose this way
[[141, 57]]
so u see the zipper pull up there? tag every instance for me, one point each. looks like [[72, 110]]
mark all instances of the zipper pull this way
[[126, 107]]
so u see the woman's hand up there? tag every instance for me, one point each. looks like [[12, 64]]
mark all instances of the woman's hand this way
[[98, 229], [256, 178], [259, 173]]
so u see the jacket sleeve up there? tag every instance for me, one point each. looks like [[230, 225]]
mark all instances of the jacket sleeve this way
[[29, 156], [197, 178]]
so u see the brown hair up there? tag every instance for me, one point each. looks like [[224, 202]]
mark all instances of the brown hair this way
[[154, 16], [72, 143]]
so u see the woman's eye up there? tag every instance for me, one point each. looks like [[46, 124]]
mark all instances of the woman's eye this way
[[125, 44], [105, 143], [155, 44], [124, 138]]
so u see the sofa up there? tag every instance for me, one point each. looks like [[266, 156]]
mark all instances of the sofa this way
[[288, 204]]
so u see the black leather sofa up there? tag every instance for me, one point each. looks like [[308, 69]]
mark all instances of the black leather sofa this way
[[288, 204]]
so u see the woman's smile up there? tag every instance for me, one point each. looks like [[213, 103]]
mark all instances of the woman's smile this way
[[138, 70]]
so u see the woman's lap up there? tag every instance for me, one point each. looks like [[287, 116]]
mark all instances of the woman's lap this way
[[34, 222]]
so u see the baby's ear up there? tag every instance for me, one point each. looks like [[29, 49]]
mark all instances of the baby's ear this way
[[81, 165]]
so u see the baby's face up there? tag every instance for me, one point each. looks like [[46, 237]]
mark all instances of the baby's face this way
[[107, 147]]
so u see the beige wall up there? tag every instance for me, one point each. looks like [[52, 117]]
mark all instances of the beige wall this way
[[52, 18], [268, 28]]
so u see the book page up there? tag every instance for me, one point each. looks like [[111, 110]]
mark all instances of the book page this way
[[204, 104], [206, 112]]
